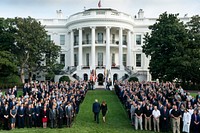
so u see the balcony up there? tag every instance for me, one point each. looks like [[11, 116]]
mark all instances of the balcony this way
[[85, 67], [115, 67], [100, 67]]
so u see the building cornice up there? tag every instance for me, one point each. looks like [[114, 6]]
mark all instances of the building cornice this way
[[98, 20]]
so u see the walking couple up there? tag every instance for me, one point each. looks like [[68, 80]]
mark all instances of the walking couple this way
[[96, 109]]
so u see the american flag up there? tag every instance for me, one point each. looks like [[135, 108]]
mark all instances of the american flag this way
[[99, 4]]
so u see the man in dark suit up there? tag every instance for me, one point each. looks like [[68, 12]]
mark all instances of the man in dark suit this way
[[165, 119], [96, 110], [52, 116], [29, 116], [69, 113], [20, 114], [60, 116], [6, 113], [37, 110]]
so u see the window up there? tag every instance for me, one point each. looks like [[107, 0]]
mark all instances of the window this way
[[138, 39], [113, 59], [75, 60], [100, 59], [124, 40], [113, 38], [138, 60], [62, 59], [88, 39], [87, 60], [62, 39], [100, 38], [76, 40], [124, 59], [48, 37]]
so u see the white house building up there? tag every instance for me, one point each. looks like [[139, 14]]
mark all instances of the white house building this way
[[103, 40]]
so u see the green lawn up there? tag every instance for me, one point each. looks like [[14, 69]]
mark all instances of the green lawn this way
[[117, 120], [193, 94]]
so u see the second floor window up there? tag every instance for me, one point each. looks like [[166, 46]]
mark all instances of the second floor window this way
[[76, 40], [62, 39], [88, 39], [124, 40], [138, 39], [100, 38], [113, 38]]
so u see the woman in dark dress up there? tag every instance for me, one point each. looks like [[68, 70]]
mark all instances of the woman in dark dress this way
[[13, 113], [104, 110]]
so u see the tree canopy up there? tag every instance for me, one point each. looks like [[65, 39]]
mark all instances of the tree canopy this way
[[27, 40], [174, 48]]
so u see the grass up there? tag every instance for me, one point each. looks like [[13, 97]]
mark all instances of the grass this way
[[117, 120], [193, 94]]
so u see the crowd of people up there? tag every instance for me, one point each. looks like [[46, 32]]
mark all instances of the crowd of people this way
[[159, 107], [150, 106], [42, 104]]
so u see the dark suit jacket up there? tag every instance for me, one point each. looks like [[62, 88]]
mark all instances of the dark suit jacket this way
[[164, 114], [43, 114], [29, 112], [96, 107], [52, 114], [193, 119], [60, 112], [21, 112], [6, 112]]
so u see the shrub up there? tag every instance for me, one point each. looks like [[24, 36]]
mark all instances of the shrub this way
[[64, 78], [10, 81], [133, 79]]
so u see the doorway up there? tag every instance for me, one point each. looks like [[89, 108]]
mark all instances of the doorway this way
[[115, 77], [100, 79]]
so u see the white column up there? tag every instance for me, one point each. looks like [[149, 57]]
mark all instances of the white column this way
[[129, 49], [120, 48], [72, 48], [108, 66], [93, 49], [80, 49]]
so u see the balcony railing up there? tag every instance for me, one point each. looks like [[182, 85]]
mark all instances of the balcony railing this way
[[100, 67], [85, 67], [115, 67], [85, 42]]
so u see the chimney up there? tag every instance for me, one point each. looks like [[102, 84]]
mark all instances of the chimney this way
[[141, 14], [59, 14]]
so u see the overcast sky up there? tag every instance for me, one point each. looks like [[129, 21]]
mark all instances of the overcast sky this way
[[47, 8]]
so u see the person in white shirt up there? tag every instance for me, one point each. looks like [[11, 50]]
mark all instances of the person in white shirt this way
[[186, 121], [191, 110], [156, 116]]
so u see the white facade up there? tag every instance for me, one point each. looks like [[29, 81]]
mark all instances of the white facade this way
[[101, 39]]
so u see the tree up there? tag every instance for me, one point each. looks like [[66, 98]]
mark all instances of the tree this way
[[32, 46], [193, 49], [165, 45], [7, 59], [7, 66]]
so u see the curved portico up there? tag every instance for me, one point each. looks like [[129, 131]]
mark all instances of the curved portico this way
[[105, 46], [101, 39]]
